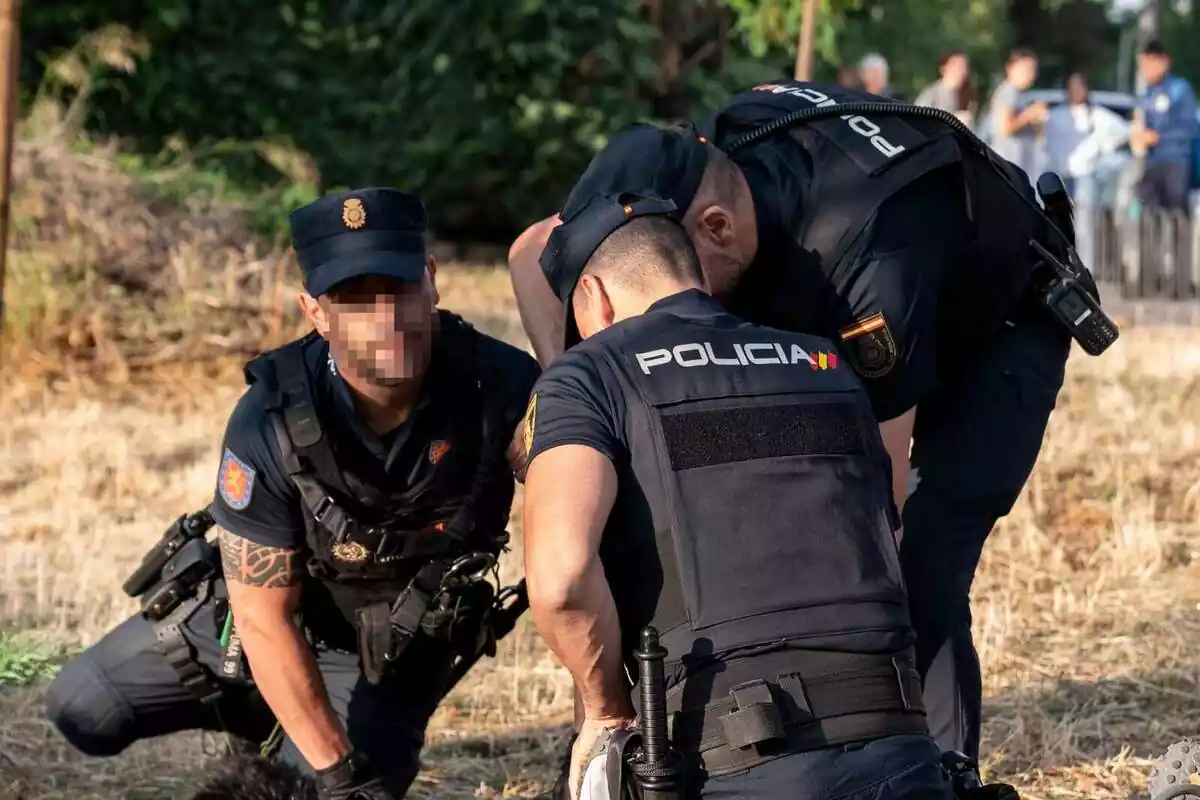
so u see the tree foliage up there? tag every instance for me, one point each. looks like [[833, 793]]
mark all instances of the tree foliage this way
[[490, 109]]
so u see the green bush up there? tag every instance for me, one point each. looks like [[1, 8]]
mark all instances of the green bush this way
[[489, 109]]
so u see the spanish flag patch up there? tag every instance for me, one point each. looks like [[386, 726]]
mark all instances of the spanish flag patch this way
[[869, 345]]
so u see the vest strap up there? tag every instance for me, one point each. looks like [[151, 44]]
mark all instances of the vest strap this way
[[168, 632]]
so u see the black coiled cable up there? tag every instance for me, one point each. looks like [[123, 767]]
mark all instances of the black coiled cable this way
[[893, 110]]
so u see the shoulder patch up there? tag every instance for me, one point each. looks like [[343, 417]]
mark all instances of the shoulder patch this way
[[437, 449], [869, 346], [235, 481]]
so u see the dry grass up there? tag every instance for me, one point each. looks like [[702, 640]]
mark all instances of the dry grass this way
[[1087, 606]]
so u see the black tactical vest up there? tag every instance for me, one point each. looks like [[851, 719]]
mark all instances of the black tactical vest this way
[[756, 460], [860, 160], [368, 542]]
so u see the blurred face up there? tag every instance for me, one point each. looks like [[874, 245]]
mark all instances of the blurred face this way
[[1153, 67], [956, 69], [1023, 72], [1077, 90], [874, 79], [379, 329]]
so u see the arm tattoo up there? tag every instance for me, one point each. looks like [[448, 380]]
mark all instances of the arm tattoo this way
[[252, 564]]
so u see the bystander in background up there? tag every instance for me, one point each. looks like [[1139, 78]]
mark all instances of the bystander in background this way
[[954, 91], [1015, 130], [873, 75], [1166, 132], [1081, 141]]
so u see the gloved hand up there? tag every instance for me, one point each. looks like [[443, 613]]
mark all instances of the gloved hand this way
[[351, 778]]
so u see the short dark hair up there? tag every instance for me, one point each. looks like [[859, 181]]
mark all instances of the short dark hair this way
[[1017, 54], [645, 248], [1154, 47], [255, 778]]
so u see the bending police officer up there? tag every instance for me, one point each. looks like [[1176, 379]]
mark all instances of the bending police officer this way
[[891, 236], [726, 483], [365, 487]]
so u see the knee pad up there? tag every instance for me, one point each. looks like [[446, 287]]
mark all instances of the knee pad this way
[[88, 711]]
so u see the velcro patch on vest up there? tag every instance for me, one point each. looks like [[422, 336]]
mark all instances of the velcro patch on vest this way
[[722, 436], [869, 346], [235, 481]]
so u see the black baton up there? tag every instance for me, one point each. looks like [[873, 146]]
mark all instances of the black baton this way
[[659, 772]]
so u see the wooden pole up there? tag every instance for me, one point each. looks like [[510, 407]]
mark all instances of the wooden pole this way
[[805, 48], [10, 45]]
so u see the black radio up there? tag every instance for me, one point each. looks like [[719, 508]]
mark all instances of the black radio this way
[[1075, 308], [1067, 290]]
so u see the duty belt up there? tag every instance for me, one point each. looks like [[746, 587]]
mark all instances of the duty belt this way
[[812, 701]]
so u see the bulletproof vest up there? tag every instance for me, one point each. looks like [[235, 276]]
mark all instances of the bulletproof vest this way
[[367, 540], [768, 490], [890, 151]]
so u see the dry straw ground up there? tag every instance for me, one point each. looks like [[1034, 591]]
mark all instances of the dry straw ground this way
[[1087, 606]]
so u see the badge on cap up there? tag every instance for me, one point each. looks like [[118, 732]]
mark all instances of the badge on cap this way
[[870, 346], [354, 214], [235, 481], [350, 552]]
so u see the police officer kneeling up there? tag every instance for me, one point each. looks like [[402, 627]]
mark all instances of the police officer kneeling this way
[[726, 483], [364, 484]]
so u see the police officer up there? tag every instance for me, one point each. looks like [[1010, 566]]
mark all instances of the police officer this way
[[895, 238], [727, 483], [1168, 134], [364, 483]]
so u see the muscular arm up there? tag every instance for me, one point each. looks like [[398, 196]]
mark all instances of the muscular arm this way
[[569, 492], [264, 593], [540, 309]]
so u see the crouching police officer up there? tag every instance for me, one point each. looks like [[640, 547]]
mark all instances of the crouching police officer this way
[[364, 483], [905, 241], [726, 483]]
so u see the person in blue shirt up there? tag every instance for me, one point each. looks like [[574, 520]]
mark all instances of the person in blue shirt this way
[[1169, 109]]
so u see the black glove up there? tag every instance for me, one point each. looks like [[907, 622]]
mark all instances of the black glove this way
[[351, 778]]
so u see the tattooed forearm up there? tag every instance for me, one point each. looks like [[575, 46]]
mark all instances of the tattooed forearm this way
[[252, 564]]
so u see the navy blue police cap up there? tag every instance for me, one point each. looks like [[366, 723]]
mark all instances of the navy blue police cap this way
[[572, 243], [376, 231], [647, 160]]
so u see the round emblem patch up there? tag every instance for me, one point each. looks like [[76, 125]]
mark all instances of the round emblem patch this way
[[235, 482], [350, 552], [870, 346], [354, 214]]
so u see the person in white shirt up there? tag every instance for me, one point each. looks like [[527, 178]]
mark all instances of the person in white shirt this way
[[1081, 142]]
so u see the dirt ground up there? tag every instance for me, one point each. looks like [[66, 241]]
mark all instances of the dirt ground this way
[[1087, 606]]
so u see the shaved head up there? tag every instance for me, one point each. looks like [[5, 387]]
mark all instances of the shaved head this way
[[638, 264], [644, 252]]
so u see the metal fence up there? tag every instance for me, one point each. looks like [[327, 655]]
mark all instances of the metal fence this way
[[1151, 255]]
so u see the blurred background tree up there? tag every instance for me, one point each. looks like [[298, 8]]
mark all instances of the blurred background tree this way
[[491, 108]]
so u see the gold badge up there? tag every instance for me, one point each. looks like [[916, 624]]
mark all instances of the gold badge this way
[[437, 450], [870, 346], [530, 414], [350, 552], [353, 213]]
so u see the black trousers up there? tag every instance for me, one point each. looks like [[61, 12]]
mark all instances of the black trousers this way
[[1166, 186], [121, 689], [975, 442]]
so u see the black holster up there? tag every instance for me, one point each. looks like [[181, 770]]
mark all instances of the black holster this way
[[458, 615]]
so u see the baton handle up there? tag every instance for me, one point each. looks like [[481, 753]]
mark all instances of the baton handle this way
[[652, 684]]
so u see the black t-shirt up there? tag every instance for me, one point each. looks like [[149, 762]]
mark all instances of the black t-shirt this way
[[880, 302], [255, 498], [583, 399]]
